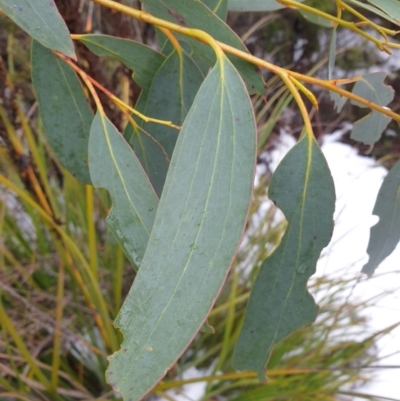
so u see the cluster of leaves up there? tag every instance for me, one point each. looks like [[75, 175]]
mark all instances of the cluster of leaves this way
[[180, 176]]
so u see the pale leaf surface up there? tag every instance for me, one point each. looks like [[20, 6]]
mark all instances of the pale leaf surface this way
[[385, 235], [114, 166], [254, 5], [371, 87], [41, 20], [194, 14], [279, 304], [197, 229], [140, 58], [64, 109], [171, 94]]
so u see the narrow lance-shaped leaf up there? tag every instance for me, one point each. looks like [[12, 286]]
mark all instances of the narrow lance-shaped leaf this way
[[317, 19], [198, 226], [376, 11], [385, 235], [279, 304], [371, 87], [171, 94], [254, 5], [332, 53], [339, 101], [114, 166], [41, 19], [64, 110], [194, 14], [152, 156], [218, 7], [390, 7], [144, 61]]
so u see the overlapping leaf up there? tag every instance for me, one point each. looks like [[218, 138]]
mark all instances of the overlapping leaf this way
[[64, 109], [279, 304], [41, 19], [115, 167], [254, 5], [194, 14], [332, 54], [385, 235], [371, 87], [143, 60], [389, 7], [171, 94], [376, 11], [218, 7], [198, 226]]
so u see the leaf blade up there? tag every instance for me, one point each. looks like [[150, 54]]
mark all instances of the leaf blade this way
[[279, 302], [195, 234], [372, 87], [41, 20], [143, 60], [254, 5], [194, 14], [385, 235], [64, 109], [115, 167], [171, 94]]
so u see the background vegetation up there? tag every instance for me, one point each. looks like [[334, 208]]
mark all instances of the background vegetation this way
[[56, 281]]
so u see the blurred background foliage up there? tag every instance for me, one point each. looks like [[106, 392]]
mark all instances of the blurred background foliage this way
[[63, 278]]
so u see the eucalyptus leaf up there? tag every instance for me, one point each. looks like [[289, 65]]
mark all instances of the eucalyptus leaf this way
[[376, 11], [317, 19], [390, 7], [385, 235], [198, 226], [371, 87], [151, 154], [254, 5], [41, 20], [279, 304], [338, 101], [218, 7], [64, 110], [171, 94], [115, 167], [143, 60], [194, 14], [368, 129], [332, 53]]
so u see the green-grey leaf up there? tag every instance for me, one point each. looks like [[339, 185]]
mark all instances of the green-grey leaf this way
[[114, 166], [385, 235], [332, 54], [143, 60], [218, 7], [41, 19], [390, 7], [369, 129], [171, 94], [198, 226], [316, 19], [338, 101], [375, 10], [194, 14], [64, 109], [302, 187], [254, 5], [371, 87], [151, 155]]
